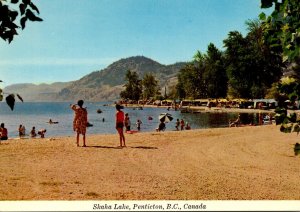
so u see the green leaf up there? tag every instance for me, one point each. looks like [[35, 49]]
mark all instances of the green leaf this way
[[20, 97], [262, 16], [23, 22], [286, 128], [22, 8], [285, 58], [34, 7], [31, 16], [26, 1], [13, 15], [10, 100]]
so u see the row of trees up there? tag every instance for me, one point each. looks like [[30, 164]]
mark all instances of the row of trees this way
[[246, 69], [136, 89]]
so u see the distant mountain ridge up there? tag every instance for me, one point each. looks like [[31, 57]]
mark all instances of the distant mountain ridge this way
[[42, 92], [106, 84]]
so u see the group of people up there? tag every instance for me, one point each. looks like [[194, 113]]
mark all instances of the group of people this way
[[122, 120], [22, 132], [182, 125], [127, 123], [32, 134]]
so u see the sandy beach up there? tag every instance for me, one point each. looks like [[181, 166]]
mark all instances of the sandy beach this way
[[244, 163]]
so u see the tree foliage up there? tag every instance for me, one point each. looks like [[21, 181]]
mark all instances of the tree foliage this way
[[133, 86], [246, 69], [282, 27], [251, 65], [282, 32], [15, 13], [215, 73], [150, 86]]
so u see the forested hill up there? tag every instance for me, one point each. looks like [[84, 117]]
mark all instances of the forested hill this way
[[108, 83]]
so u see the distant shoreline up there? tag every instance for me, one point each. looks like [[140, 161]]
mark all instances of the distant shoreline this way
[[205, 109]]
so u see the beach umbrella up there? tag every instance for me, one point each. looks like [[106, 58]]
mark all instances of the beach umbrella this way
[[165, 117]]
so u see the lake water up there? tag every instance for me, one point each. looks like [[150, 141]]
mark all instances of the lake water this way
[[38, 114]]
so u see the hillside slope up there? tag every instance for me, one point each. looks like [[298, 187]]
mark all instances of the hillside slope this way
[[108, 83], [103, 85]]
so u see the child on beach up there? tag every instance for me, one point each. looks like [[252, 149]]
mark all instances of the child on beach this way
[[42, 133], [127, 122], [3, 132], [120, 124], [177, 124], [80, 121], [138, 124], [187, 126]]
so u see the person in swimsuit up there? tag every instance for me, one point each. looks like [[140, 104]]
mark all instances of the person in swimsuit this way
[[120, 124]]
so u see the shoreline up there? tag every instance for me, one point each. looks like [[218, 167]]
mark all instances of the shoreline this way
[[205, 109], [238, 163]]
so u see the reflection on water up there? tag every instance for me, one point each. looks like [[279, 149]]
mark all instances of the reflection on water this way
[[38, 114]]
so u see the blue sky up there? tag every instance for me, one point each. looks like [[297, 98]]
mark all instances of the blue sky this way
[[81, 36]]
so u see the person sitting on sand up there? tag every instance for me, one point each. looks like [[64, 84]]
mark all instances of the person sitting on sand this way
[[80, 121], [33, 133], [187, 126], [22, 131], [3, 132], [161, 126], [42, 133]]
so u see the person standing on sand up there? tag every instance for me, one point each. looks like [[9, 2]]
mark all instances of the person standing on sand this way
[[120, 124], [182, 124], [177, 125], [80, 121], [138, 124]]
